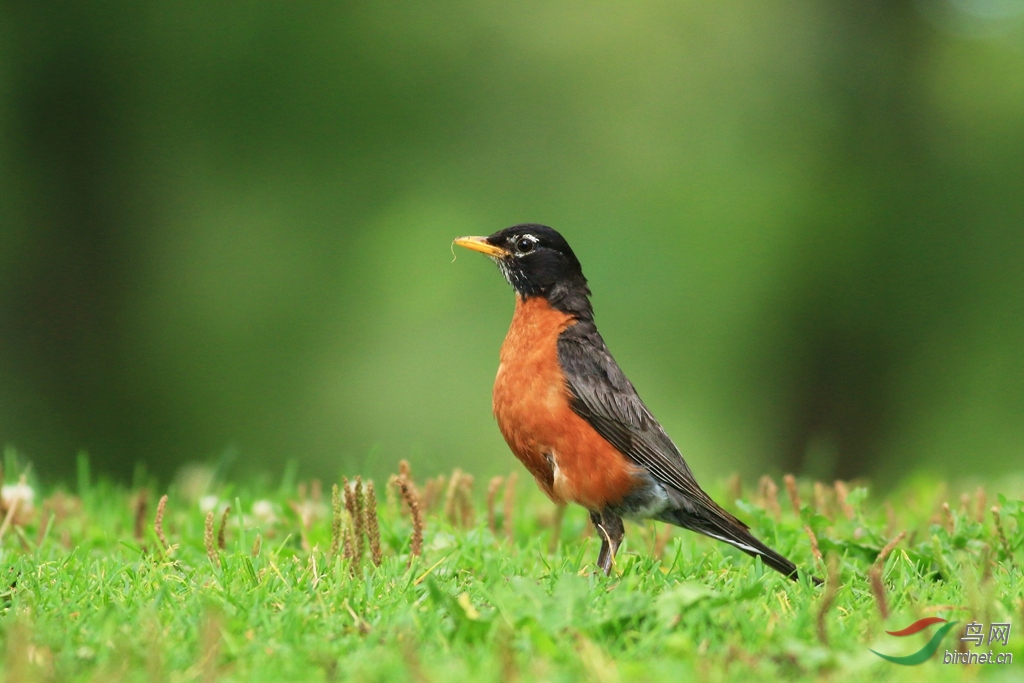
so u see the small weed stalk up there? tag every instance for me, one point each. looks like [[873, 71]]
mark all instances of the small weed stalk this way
[[8, 517], [979, 504], [794, 495], [208, 540], [348, 545], [349, 542], [878, 590], [140, 505], [828, 597], [947, 518], [257, 545], [335, 521], [404, 470], [770, 496], [510, 504], [432, 492], [372, 524], [814, 544], [451, 503], [412, 500], [841, 493], [467, 514], [222, 533], [11, 513], [821, 500], [158, 523], [358, 518], [880, 560], [1002, 535], [492, 494], [391, 496]]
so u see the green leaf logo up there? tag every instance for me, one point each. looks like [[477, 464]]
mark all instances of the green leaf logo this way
[[930, 647]]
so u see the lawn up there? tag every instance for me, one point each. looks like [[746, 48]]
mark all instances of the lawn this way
[[277, 582]]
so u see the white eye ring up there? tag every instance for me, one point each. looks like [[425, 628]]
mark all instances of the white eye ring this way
[[525, 244]]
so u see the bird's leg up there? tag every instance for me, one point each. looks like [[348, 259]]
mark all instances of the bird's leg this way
[[609, 527]]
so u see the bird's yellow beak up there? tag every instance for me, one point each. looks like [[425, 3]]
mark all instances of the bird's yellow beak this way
[[482, 245]]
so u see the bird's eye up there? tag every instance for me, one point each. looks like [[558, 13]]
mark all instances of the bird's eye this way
[[525, 245]]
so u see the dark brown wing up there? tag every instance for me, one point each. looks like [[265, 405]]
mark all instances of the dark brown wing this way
[[604, 397]]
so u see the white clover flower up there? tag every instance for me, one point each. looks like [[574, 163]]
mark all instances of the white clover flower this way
[[263, 511]]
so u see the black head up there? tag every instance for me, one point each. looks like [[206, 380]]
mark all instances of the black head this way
[[537, 261]]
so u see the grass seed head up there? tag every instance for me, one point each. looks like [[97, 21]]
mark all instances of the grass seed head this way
[[947, 518], [451, 503], [335, 520], [432, 492], [222, 532], [832, 583], [841, 493], [158, 523], [348, 540], [821, 505], [979, 504], [878, 590], [880, 560], [794, 494], [359, 518], [770, 496], [211, 549], [814, 544], [372, 524], [412, 500], [392, 497]]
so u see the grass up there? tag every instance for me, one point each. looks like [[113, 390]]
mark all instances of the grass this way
[[89, 593]]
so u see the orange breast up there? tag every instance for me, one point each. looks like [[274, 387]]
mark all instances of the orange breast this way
[[569, 459]]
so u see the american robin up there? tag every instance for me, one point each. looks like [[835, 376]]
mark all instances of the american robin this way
[[573, 418]]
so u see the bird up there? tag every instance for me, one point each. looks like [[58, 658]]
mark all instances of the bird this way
[[574, 420]]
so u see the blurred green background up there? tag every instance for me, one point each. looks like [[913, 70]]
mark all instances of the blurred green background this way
[[225, 228]]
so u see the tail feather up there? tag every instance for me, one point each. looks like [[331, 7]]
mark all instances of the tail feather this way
[[720, 525]]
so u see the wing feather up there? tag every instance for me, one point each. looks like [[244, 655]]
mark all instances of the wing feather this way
[[604, 397]]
